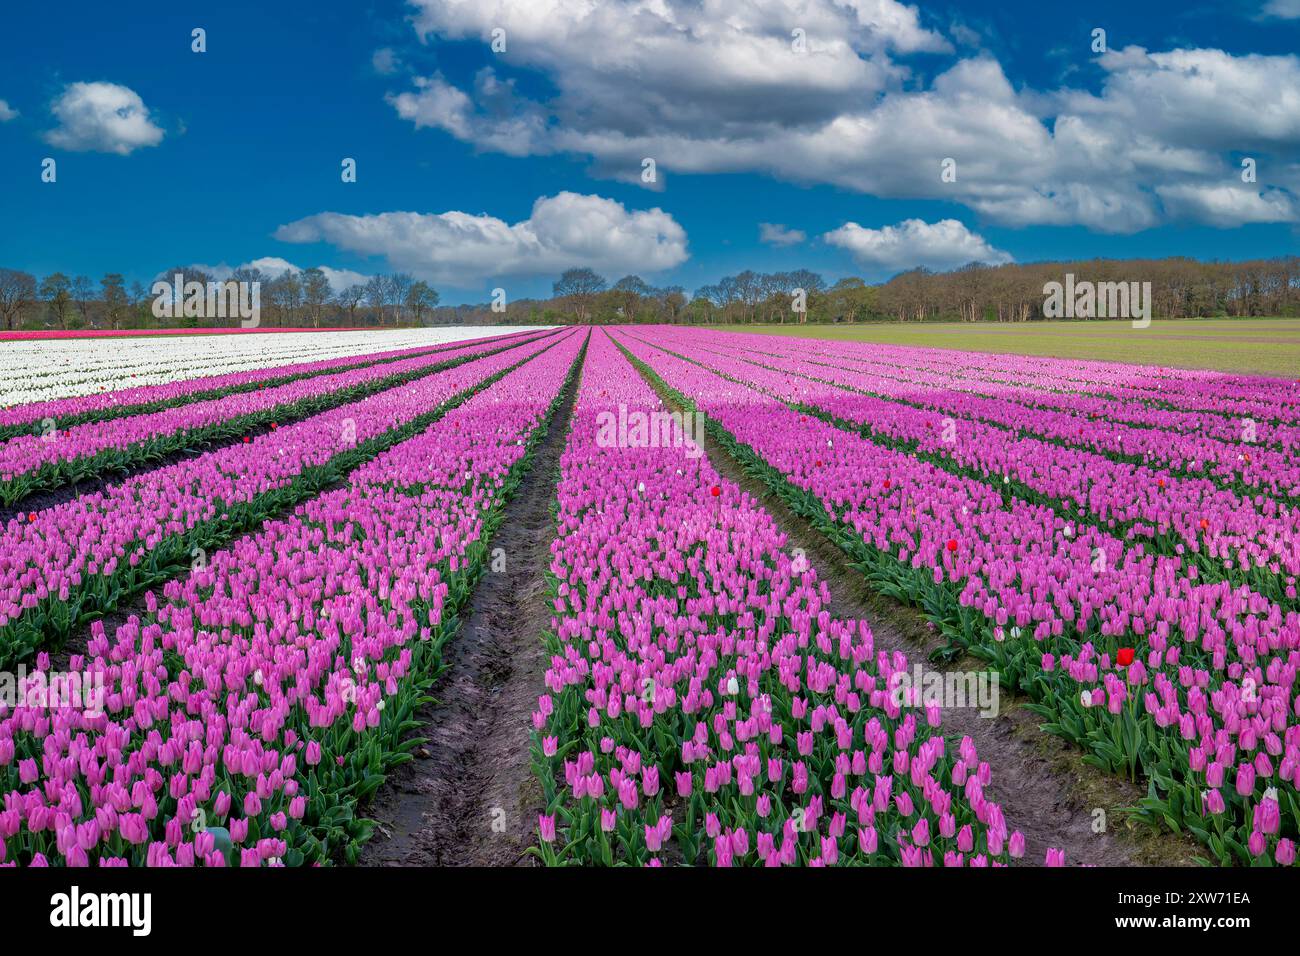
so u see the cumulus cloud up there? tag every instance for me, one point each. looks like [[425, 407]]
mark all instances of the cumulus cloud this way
[[436, 103], [1228, 205], [715, 86], [101, 117], [460, 249], [945, 244], [626, 68], [774, 234], [7, 112], [274, 267], [1282, 9], [339, 279]]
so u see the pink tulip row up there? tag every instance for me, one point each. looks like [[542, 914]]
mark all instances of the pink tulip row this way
[[25, 454], [1191, 390], [1231, 451], [1222, 531], [1047, 391], [50, 553], [83, 405], [702, 704], [245, 710], [1027, 588]]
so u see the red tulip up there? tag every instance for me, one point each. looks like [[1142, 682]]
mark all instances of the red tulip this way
[[1125, 656], [952, 544], [1204, 524], [715, 491]]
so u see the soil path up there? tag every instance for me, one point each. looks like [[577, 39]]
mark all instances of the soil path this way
[[470, 798], [1044, 788]]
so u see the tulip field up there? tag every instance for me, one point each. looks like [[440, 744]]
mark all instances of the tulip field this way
[[255, 554]]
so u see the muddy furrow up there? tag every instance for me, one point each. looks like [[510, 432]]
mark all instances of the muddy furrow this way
[[469, 798], [1045, 789]]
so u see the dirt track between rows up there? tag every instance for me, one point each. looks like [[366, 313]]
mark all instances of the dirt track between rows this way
[[470, 798]]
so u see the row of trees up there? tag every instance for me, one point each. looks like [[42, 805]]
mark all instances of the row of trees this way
[[1180, 288], [289, 299], [581, 295]]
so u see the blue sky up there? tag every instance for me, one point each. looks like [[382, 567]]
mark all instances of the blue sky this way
[[233, 155]]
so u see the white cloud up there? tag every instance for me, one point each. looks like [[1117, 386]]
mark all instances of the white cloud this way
[[101, 117], [460, 249], [675, 66], [1282, 9], [274, 267], [774, 234], [713, 86], [385, 61], [339, 279], [7, 112], [913, 242], [1228, 205], [1205, 99], [436, 103]]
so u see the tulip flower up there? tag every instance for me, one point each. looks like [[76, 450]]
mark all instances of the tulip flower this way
[[1285, 852]]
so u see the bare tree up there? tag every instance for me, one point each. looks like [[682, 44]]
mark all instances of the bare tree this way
[[55, 291], [399, 288], [285, 293], [113, 288], [17, 291], [82, 291], [349, 299], [377, 295], [580, 287], [315, 293], [139, 301], [421, 297]]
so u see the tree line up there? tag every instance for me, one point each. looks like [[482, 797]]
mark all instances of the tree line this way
[[1180, 288], [290, 299]]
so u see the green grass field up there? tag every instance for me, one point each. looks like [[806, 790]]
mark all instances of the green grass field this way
[[1246, 346]]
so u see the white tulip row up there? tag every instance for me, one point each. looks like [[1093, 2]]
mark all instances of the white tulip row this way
[[37, 370]]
